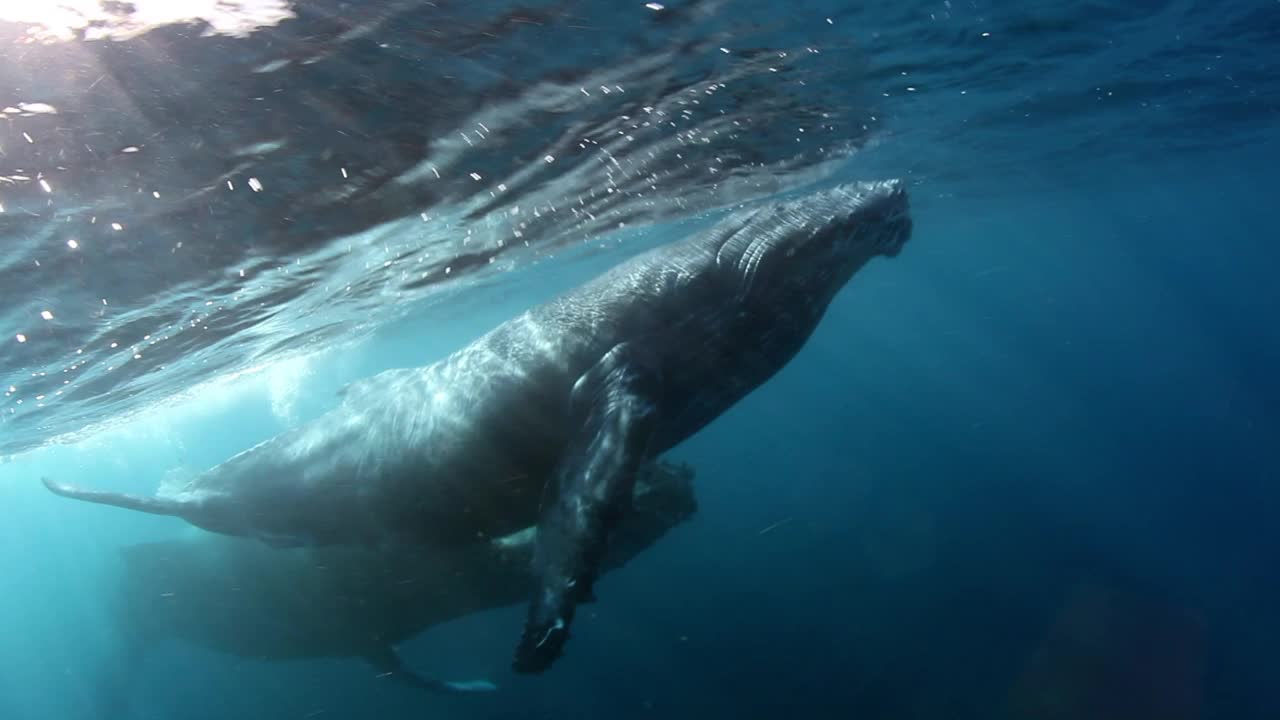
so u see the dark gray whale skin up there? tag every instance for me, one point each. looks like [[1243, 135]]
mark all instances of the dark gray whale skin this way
[[546, 418], [243, 598]]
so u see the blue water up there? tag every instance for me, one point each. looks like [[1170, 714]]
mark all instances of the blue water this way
[[1024, 470]]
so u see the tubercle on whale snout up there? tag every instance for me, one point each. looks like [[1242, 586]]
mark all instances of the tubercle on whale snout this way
[[882, 202], [865, 214]]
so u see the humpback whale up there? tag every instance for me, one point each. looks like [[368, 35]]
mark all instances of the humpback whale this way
[[240, 597], [547, 418]]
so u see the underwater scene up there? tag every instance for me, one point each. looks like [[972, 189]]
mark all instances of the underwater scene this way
[[684, 359]]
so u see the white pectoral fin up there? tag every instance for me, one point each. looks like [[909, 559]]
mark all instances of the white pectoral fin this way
[[152, 505]]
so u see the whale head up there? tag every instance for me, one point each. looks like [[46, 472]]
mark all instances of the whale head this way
[[794, 255], [832, 228], [862, 220]]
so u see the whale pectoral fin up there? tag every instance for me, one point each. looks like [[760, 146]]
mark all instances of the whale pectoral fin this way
[[615, 413], [153, 505], [390, 665]]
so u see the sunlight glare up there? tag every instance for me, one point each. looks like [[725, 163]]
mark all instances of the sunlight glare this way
[[61, 21]]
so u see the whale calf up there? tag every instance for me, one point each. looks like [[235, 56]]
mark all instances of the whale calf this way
[[547, 418], [240, 597]]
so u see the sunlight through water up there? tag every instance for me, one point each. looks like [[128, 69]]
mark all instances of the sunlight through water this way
[[96, 19]]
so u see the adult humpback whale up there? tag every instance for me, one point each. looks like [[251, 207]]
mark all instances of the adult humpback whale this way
[[547, 417], [240, 597]]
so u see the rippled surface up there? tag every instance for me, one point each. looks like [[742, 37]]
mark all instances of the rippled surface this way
[[185, 199]]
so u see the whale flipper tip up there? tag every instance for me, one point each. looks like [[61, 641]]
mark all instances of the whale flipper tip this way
[[56, 487], [471, 686]]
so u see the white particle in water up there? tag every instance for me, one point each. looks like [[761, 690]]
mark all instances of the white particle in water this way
[[47, 315], [73, 244], [44, 184], [255, 184], [654, 6], [22, 338], [117, 226]]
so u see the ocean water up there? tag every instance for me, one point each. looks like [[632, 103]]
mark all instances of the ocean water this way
[[1024, 470]]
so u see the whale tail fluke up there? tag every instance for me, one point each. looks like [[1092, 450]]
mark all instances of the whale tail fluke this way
[[153, 505]]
